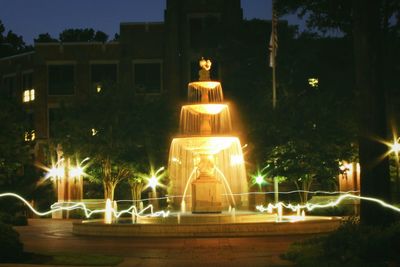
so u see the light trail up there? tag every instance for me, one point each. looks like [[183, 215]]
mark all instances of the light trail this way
[[297, 191], [149, 210], [69, 206], [310, 206]]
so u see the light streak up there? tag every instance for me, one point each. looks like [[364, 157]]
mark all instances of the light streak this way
[[310, 206], [148, 211], [296, 191], [69, 206]]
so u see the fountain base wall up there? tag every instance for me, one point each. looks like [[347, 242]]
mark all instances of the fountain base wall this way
[[210, 225]]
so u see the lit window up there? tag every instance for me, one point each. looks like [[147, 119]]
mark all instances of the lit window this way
[[30, 136], [313, 82], [32, 94], [28, 95], [98, 88]]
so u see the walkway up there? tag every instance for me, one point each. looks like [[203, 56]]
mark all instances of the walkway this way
[[46, 235]]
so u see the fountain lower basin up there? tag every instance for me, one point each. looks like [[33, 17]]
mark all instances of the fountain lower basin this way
[[242, 223]]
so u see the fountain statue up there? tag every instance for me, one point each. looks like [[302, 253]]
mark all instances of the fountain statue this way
[[206, 164]]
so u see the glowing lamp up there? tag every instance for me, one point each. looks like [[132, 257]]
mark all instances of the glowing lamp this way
[[395, 147], [153, 182], [259, 180], [75, 172], [55, 172]]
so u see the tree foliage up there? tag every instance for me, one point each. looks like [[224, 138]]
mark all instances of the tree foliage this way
[[119, 131], [11, 43], [83, 35], [45, 38]]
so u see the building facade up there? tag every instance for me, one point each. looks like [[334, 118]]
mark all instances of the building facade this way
[[151, 58]]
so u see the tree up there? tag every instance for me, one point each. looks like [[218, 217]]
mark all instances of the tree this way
[[16, 173], [371, 96], [11, 44], [367, 22], [45, 38], [312, 132], [118, 130], [82, 35]]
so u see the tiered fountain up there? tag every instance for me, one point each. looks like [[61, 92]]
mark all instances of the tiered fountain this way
[[208, 186], [206, 165]]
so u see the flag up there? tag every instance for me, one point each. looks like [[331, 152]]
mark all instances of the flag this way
[[273, 42]]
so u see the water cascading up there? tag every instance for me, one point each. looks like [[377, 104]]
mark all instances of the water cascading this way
[[206, 165]]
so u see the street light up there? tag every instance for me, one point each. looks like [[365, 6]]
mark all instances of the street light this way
[[395, 148]]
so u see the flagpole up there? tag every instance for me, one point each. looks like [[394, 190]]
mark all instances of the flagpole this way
[[274, 86], [273, 43]]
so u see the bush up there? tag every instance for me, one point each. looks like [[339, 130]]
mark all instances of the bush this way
[[17, 220], [351, 245], [6, 218], [11, 248], [20, 220]]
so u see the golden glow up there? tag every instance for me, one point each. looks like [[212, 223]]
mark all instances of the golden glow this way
[[108, 212], [210, 109], [208, 85], [154, 180], [56, 172], [237, 160], [259, 179], [346, 167], [94, 132], [29, 136], [28, 95], [98, 88], [313, 82], [395, 147], [75, 172], [208, 145]]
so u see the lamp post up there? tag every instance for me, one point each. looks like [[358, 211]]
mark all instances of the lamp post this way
[[395, 148]]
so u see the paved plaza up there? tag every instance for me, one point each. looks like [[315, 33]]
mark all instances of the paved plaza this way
[[46, 235]]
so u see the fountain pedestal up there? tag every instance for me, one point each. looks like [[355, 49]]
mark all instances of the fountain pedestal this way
[[206, 195]]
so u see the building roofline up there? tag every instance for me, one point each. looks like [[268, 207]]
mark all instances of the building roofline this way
[[18, 55], [143, 23], [77, 43]]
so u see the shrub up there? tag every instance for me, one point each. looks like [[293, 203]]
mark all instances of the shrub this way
[[351, 245], [11, 248], [6, 218], [17, 220], [20, 220]]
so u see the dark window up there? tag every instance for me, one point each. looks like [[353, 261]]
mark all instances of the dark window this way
[[27, 83], [147, 77], [103, 73], [61, 80], [9, 85], [55, 117], [204, 31], [194, 71]]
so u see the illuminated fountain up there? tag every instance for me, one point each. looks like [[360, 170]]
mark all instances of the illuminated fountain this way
[[206, 164], [206, 175]]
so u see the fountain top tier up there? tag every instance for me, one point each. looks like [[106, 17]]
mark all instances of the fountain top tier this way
[[205, 92]]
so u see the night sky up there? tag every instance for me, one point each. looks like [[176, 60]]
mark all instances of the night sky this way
[[30, 18]]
